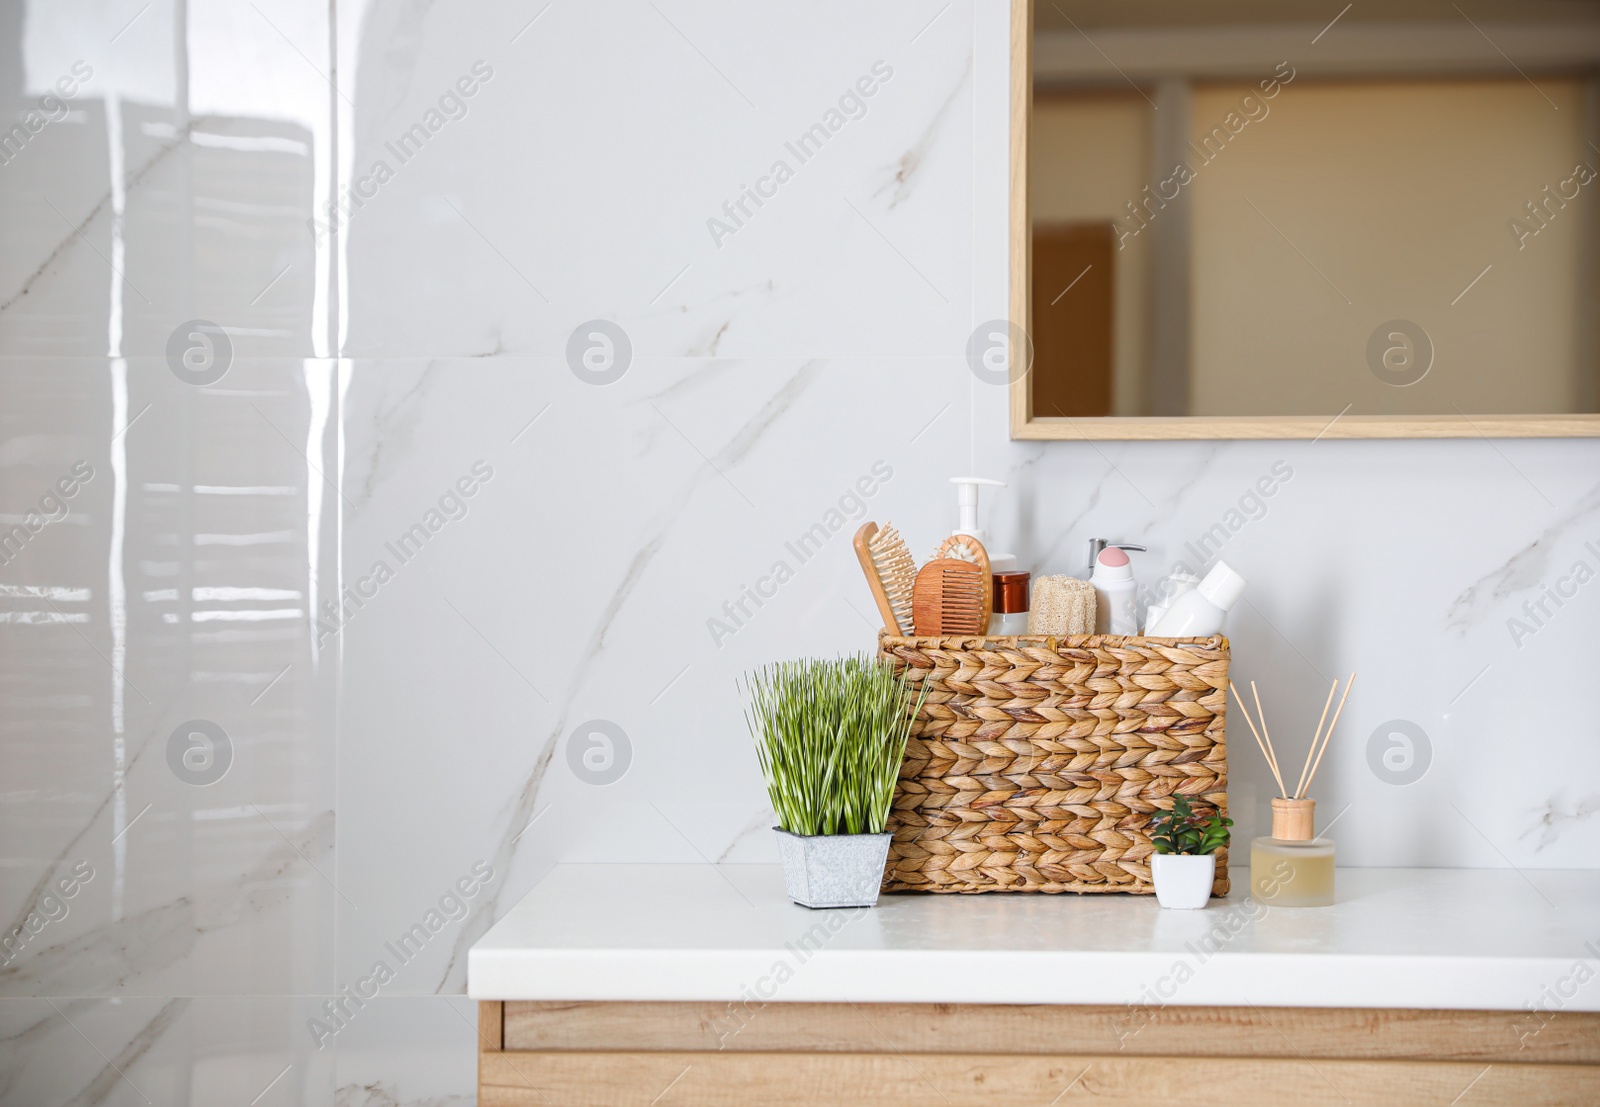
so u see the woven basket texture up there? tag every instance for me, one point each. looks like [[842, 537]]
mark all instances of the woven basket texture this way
[[1035, 763]]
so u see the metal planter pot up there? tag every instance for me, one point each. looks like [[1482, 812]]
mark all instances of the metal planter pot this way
[[833, 870]]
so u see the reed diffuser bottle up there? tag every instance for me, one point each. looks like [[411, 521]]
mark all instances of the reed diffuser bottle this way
[[1293, 867]]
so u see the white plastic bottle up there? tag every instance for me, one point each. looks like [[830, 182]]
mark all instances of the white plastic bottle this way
[[1166, 592], [1116, 595], [1201, 612]]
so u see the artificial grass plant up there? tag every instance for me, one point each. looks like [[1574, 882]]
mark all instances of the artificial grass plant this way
[[830, 735]]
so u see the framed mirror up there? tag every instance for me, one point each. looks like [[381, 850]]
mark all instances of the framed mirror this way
[[1277, 219]]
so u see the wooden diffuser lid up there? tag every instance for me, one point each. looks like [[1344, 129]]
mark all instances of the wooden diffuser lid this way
[[1294, 820]]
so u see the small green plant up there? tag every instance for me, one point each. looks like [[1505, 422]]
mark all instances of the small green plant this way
[[830, 736], [1187, 831]]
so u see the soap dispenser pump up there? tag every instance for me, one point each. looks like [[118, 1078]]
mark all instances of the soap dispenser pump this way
[[967, 503]]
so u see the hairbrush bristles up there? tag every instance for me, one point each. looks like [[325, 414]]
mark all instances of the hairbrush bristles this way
[[898, 573]]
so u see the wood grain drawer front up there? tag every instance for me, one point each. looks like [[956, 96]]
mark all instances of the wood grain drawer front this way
[[747, 1079], [1481, 1037]]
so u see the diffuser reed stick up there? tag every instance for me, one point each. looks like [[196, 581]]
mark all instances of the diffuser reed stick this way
[[1262, 715], [1319, 740], [1329, 736], [1266, 750], [1300, 789]]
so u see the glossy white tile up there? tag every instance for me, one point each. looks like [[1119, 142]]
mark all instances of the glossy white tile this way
[[168, 164], [183, 1050], [168, 724]]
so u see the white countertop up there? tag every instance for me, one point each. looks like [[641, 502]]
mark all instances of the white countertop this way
[[1487, 939]]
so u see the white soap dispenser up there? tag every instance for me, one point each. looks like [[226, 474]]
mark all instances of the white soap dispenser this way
[[967, 502]]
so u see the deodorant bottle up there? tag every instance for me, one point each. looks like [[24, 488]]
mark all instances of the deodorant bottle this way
[[1116, 595]]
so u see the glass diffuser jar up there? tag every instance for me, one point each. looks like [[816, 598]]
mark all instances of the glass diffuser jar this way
[[1292, 868]]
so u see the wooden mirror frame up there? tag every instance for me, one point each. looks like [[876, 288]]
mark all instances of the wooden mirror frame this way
[[1025, 425]]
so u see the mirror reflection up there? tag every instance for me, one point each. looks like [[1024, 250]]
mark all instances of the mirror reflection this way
[[1250, 209]]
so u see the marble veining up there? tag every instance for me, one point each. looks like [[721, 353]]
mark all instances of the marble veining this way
[[114, 1073], [1558, 817], [699, 380], [714, 308], [391, 424], [1196, 470], [762, 821], [74, 234], [119, 953], [381, 93], [525, 804], [709, 348], [1525, 569], [904, 180], [25, 1041], [381, 1093], [750, 433], [1055, 550]]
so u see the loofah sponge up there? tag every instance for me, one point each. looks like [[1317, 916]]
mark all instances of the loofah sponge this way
[[1061, 605]]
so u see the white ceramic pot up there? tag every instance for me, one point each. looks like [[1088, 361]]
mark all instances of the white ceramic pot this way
[[833, 870], [1183, 880]]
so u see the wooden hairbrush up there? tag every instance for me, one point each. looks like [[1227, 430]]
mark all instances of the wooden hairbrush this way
[[891, 574], [951, 597]]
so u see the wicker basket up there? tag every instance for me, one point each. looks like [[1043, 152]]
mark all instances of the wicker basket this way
[[1035, 763]]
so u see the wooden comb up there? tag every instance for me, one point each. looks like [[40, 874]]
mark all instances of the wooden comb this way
[[891, 574], [964, 547], [951, 597]]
